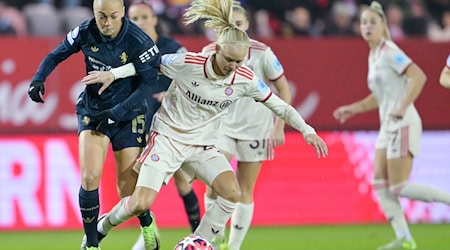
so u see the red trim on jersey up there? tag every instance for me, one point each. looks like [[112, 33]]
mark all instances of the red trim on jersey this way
[[245, 72], [191, 59], [404, 141], [268, 96], [276, 78], [258, 45], [208, 48], [234, 77], [150, 144], [407, 66], [204, 68]]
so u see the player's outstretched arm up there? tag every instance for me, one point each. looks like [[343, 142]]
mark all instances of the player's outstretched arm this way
[[106, 78], [295, 120], [345, 112]]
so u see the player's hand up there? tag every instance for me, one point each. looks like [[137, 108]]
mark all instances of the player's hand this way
[[103, 77], [397, 115], [319, 145], [108, 120], [343, 113], [159, 96], [36, 91]]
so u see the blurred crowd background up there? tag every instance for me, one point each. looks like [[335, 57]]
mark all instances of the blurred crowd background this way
[[269, 18]]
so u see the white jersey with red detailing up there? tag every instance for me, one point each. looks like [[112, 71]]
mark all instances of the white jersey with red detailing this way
[[388, 83], [247, 119], [192, 110]]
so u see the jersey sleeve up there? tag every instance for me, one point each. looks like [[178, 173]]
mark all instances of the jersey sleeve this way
[[397, 60], [70, 45], [172, 64], [146, 63], [258, 90], [272, 66]]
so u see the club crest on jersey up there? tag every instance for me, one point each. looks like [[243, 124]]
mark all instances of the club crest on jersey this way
[[154, 157], [123, 57], [262, 87], [229, 91]]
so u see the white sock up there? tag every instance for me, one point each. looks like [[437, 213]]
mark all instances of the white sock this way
[[392, 209], [214, 221], [420, 192], [240, 223], [208, 201], [139, 244], [118, 214]]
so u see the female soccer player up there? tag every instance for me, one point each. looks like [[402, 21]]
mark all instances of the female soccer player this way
[[395, 82], [117, 115], [141, 12], [250, 131], [188, 124]]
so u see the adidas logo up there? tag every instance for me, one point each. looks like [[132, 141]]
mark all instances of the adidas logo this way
[[110, 121], [195, 84]]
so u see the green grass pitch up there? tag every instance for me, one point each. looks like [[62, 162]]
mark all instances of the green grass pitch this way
[[348, 237]]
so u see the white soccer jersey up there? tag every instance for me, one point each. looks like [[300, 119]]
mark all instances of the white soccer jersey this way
[[192, 110], [388, 84], [247, 119]]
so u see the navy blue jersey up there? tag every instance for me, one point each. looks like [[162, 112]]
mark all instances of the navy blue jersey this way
[[166, 45], [103, 53]]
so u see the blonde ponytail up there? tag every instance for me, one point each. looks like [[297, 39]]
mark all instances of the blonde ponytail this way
[[218, 17]]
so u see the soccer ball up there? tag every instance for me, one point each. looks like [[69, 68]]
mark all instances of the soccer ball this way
[[193, 242]]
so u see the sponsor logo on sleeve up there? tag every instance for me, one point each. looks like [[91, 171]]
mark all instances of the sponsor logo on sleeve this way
[[277, 65], [169, 59], [149, 54], [73, 34], [400, 59], [262, 87]]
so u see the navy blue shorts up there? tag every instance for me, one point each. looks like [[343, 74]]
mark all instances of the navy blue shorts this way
[[125, 135]]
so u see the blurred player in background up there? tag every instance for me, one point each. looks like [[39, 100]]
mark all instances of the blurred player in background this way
[[444, 78], [395, 82], [250, 130], [203, 87], [117, 115], [141, 12]]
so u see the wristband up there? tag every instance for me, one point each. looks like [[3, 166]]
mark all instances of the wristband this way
[[123, 71]]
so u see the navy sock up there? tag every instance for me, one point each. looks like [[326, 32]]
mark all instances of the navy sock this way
[[144, 219], [192, 209], [89, 207]]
